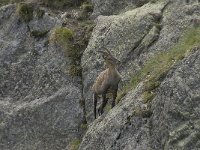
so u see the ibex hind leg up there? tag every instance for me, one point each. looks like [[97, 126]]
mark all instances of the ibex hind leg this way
[[95, 104], [104, 102], [114, 98]]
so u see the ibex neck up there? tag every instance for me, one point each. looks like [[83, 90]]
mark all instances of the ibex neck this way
[[112, 69], [110, 66]]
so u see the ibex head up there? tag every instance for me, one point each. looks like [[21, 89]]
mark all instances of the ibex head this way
[[109, 58]]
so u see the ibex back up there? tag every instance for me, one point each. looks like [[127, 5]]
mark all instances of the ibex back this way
[[107, 81]]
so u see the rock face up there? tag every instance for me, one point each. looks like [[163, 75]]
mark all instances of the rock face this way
[[174, 123], [175, 120], [134, 37], [114, 33], [110, 7], [39, 101]]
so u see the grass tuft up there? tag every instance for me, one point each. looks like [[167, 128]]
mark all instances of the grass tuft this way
[[25, 11], [61, 36], [39, 34], [74, 145], [60, 4], [40, 13], [144, 113], [148, 96]]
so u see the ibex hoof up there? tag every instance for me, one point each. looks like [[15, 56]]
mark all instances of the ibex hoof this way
[[100, 112]]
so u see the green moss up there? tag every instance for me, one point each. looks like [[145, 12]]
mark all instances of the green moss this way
[[5, 2], [61, 35], [158, 26], [74, 145], [25, 11], [75, 70], [40, 13], [73, 44], [87, 26], [64, 38], [87, 7], [145, 113], [151, 85], [39, 34], [157, 67], [107, 108], [60, 4], [123, 92], [84, 126], [148, 96]]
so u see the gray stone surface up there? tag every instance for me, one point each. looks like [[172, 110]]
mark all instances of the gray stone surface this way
[[39, 101], [111, 7], [174, 123], [176, 111], [126, 35]]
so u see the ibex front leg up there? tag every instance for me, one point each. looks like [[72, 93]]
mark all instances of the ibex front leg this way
[[104, 102], [95, 104], [114, 97]]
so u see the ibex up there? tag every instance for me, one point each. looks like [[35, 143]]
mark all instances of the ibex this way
[[106, 82]]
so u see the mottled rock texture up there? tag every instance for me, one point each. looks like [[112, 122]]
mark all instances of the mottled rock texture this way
[[126, 35], [110, 7], [42, 105], [39, 101], [174, 123], [134, 37]]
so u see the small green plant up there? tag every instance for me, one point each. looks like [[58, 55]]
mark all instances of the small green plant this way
[[148, 96], [60, 4], [87, 7], [84, 126], [64, 38], [25, 11], [5, 2], [145, 113], [61, 36], [40, 13], [151, 85], [75, 70], [108, 108], [74, 145], [39, 34], [158, 66]]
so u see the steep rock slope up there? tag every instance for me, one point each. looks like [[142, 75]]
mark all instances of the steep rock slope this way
[[39, 100], [41, 103], [135, 37], [174, 123], [110, 7], [126, 35]]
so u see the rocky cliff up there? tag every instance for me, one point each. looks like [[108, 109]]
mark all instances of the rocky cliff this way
[[48, 66]]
